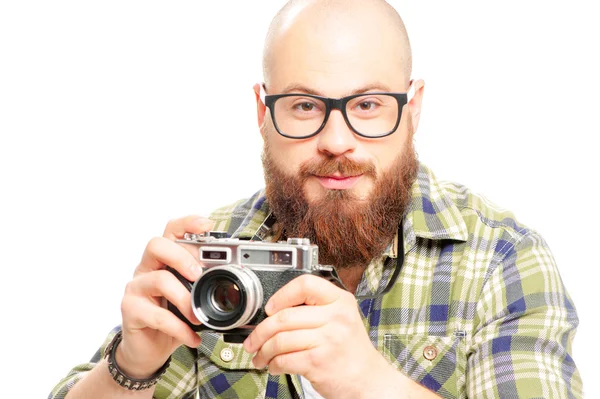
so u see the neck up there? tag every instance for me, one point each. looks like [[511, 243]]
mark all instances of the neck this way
[[351, 277]]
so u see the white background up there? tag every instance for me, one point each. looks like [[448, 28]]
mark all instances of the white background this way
[[116, 116]]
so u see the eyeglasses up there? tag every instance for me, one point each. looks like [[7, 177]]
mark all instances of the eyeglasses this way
[[300, 116]]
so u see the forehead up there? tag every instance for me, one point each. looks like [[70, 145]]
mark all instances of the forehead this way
[[336, 56]]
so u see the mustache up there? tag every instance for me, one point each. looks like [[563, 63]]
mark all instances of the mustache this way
[[331, 165]]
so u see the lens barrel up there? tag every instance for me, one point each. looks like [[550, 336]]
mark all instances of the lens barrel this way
[[226, 297]]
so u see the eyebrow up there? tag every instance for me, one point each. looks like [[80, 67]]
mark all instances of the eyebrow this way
[[299, 88]]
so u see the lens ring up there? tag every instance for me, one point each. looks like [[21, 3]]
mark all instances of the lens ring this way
[[251, 297]]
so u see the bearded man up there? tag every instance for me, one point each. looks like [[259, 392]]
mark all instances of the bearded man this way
[[475, 305]]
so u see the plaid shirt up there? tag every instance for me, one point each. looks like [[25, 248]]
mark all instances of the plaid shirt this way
[[479, 309]]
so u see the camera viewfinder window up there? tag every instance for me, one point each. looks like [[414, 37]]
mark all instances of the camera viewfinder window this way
[[281, 257], [214, 255]]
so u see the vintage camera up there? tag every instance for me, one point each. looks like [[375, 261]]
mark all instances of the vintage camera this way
[[240, 276]]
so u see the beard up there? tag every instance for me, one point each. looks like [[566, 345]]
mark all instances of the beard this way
[[349, 232]]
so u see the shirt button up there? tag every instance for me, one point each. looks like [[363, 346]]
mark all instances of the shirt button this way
[[226, 354], [430, 352]]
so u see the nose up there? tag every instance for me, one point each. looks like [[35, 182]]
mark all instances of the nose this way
[[336, 138]]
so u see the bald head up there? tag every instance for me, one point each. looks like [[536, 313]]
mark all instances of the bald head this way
[[328, 28]]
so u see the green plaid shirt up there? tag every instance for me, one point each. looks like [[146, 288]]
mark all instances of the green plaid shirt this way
[[479, 309]]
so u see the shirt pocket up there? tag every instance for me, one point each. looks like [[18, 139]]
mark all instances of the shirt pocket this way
[[225, 370], [225, 355], [436, 362]]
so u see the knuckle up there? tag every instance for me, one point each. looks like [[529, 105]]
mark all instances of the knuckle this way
[[277, 364], [129, 288], [306, 279], [348, 297], [278, 343], [183, 297], [343, 313], [338, 337], [171, 224], [160, 281], [350, 300], [316, 357], [257, 334], [153, 245], [159, 320], [283, 316], [342, 321], [304, 282], [126, 306], [159, 276]]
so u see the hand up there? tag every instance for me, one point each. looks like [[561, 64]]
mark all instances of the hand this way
[[151, 333], [325, 341]]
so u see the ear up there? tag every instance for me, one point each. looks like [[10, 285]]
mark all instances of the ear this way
[[414, 105], [260, 106]]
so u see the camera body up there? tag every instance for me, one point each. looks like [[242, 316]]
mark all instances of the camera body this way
[[240, 276]]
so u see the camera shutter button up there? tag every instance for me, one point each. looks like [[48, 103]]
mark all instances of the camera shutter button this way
[[226, 354]]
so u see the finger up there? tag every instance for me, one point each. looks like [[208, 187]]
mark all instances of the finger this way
[[141, 313], [161, 251], [285, 342], [162, 283], [307, 289], [296, 318], [291, 363], [190, 224], [177, 228]]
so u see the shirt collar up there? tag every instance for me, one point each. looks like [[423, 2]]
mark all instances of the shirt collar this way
[[431, 214]]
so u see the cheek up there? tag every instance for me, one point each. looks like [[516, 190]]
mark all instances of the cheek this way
[[387, 158], [287, 158], [287, 154], [388, 150]]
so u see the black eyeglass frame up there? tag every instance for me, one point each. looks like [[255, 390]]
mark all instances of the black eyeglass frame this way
[[335, 103]]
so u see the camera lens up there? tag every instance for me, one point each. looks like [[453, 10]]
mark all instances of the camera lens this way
[[226, 297]]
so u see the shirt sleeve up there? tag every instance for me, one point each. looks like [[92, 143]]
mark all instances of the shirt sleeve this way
[[179, 381], [525, 322]]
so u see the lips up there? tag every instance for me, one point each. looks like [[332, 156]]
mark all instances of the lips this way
[[338, 182]]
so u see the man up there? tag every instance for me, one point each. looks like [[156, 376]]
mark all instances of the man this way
[[478, 309]]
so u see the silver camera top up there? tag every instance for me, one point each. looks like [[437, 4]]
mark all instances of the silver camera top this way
[[214, 248], [205, 237]]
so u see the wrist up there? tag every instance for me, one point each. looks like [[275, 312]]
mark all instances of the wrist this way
[[385, 381], [123, 378], [132, 366], [380, 376]]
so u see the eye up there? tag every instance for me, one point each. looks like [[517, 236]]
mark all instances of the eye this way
[[306, 107], [366, 105], [300, 107]]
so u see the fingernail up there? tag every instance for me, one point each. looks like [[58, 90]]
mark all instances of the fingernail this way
[[196, 270], [197, 341], [247, 345], [268, 308]]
